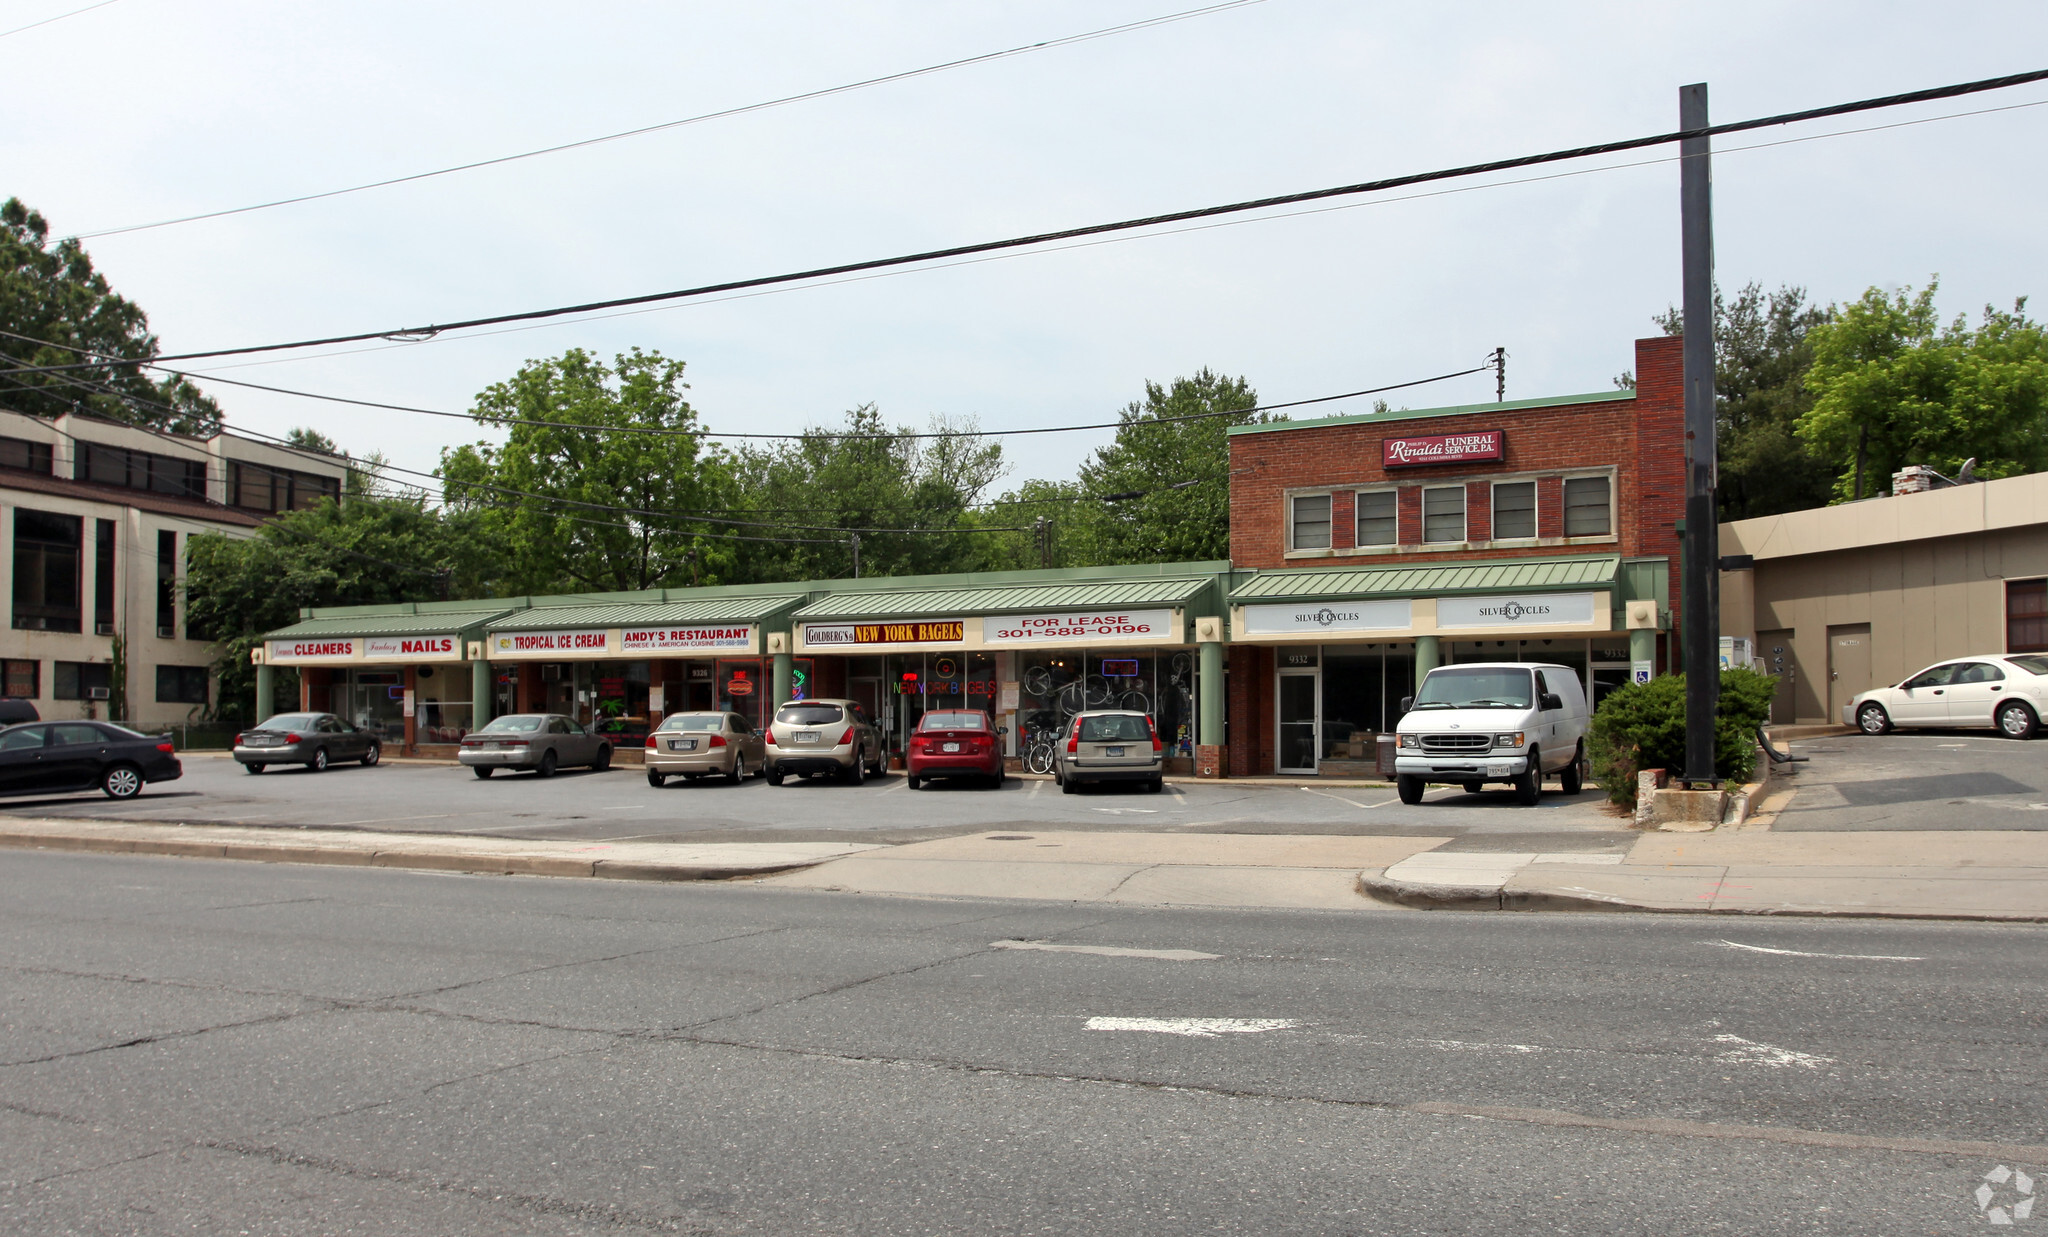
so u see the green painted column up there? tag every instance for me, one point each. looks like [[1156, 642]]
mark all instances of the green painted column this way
[[785, 667], [1428, 656], [480, 691], [1209, 691], [266, 691], [1642, 645]]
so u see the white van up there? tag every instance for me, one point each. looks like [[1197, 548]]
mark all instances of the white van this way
[[1514, 722]]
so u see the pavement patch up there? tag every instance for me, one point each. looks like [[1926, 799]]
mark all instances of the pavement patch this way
[[1200, 1028], [1108, 951]]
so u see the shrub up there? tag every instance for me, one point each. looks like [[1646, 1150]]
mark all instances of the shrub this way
[[1642, 726]]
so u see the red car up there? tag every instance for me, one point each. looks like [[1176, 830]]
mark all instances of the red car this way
[[954, 743]]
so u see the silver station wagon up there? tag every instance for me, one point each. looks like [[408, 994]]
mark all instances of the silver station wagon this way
[[1111, 745]]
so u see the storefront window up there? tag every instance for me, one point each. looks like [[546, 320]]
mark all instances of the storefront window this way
[[372, 699], [618, 701], [442, 704], [742, 685], [1362, 689]]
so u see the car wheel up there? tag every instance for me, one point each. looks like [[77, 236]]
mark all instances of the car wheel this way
[[1529, 786], [604, 759], [1410, 787], [739, 769], [775, 777], [121, 782], [657, 779], [1158, 784], [858, 774], [319, 762], [1573, 779], [912, 780], [252, 768], [547, 763], [482, 770], [1002, 775], [375, 754], [1872, 719], [2016, 720], [1473, 788], [1068, 786]]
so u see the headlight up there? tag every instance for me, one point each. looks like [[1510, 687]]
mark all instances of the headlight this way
[[1409, 740], [1508, 740]]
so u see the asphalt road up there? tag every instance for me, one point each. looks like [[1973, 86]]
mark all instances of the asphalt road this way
[[203, 1047], [619, 805], [1919, 780]]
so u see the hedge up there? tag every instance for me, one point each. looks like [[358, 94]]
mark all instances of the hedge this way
[[1642, 726]]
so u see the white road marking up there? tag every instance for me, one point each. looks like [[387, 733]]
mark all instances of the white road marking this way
[[1800, 953], [385, 820], [1127, 811], [623, 807], [1035, 788], [1951, 745], [1749, 1052], [1455, 1045], [1341, 799], [1108, 951], [1202, 1028]]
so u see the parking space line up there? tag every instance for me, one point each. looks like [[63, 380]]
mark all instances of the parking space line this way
[[1341, 799], [385, 820]]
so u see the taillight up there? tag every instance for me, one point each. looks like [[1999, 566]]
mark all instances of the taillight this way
[[771, 737], [718, 740], [847, 737], [1157, 746], [650, 740], [238, 740], [1074, 738], [166, 747], [291, 738]]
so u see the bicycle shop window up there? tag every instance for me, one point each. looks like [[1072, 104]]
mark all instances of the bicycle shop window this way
[[1514, 510], [1309, 522], [1443, 513], [1378, 523], [1588, 507]]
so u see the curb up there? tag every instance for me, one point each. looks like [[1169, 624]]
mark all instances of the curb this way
[[1374, 884]]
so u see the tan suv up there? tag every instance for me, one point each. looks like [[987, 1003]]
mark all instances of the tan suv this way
[[1111, 745], [810, 737]]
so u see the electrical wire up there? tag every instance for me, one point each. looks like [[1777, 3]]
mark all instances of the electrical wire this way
[[1041, 238], [725, 113], [59, 17]]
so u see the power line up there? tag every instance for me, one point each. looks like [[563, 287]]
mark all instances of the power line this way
[[1373, 186], [59, 17], [725, 113]]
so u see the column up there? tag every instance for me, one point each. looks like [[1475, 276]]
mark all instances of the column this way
[[1642, 646], [1428, 656], [410, 685], [482, 688], [266, 692], [784, 665], [1210, 702]]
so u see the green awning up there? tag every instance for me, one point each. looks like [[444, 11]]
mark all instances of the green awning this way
[[1005, 599], [1432, 579], [389, 624], [651, 614]]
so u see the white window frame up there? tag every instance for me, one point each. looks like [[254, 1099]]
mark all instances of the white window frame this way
[[1535, 509], [1376, 546], [1464, 514], [1613, 532], [1288, 500]]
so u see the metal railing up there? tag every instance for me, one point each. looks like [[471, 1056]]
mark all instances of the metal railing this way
[[190, 736]]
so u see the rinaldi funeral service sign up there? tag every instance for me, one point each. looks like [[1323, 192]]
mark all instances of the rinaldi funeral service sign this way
[[1309, 617], [586, 642], [1155, 626], [739, 637], [1475, 447], [857, 635]]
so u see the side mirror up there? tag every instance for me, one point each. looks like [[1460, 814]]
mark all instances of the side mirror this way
[[1407, 703], [1551, 700]]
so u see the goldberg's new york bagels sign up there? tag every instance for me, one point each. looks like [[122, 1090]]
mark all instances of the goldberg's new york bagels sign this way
[[1444, 449]]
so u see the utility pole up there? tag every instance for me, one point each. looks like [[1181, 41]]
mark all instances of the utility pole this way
[[1041, 533], [1500, 375], [856, 556], [1702, 559]]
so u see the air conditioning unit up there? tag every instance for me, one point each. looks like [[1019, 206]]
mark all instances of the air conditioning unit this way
[[102, 629], [97, 693], [167, 633]]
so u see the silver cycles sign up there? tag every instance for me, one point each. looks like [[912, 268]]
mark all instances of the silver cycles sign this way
[[1534, 610], [1291, 618]]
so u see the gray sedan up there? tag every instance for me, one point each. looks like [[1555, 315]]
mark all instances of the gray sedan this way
[[542, 742], [311, 739]]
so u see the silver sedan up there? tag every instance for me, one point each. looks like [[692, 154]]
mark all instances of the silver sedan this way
[[542, 742]]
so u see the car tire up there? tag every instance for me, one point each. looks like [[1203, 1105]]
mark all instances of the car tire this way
[[1529, 786], [1156, 785], [2016, 720], [375, 754], [1573, 779], [774, 776], [912, 781], [319, 762], [604, 759], [1068, 786], [857, 775], [1410, 788], [547, 763], [1002, 775], [1473, 788], [1872, 719], [123, 781], [739, 770], [482, 771], [252, 768]]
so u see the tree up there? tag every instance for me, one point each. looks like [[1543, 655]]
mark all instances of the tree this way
[[55, 309], [576, 505], [1892, 386]]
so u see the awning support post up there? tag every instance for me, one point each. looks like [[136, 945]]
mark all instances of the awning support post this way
[[480, 693], [266, 692], [1428, 656], [1209, 693]]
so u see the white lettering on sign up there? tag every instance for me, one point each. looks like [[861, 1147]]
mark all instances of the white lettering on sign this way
[[311, 650], [594, 640], [1535, 610], [424, 648], [1081, 625], [655, 639], [1282, 618]]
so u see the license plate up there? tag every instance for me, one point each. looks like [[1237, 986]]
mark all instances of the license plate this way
[[949, 747], [1113, 751], [1497, 768], [266, 740], [682, 745], [804, 736]]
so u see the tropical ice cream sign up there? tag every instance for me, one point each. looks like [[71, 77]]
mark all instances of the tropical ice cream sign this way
[[311, 650], [1535, 610], [587, 641], [1083, 625], [1444, 449], [413, 648], [665, 639], [1284, 618]]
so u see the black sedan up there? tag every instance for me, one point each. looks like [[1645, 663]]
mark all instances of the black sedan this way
[[55, 757], [314, 740]]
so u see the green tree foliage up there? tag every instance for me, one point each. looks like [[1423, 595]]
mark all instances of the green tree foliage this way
[[1642, 726], [547, 494], [1893, 386], [51, 295], [367, 551]]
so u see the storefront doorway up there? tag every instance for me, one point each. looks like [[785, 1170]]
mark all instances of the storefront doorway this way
[[1299, 704]]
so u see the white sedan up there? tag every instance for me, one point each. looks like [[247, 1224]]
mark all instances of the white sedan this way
[[2006, 691]]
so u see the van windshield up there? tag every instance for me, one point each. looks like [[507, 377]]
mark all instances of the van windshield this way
[[1477, 687]]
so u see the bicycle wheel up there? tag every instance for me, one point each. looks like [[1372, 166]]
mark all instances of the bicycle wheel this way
[[1182, 666], [1134, 700], [1038, 682], [1099, 692], [1039, 758], [1072, 699]]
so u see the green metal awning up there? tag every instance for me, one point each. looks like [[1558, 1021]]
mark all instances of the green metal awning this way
[[1432, 579], [388, 624], [651, 614], [1005, 599]]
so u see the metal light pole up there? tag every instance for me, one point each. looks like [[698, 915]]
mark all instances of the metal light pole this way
[[1702, 582]]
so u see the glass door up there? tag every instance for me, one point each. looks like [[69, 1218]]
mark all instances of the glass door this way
[[1300, 712]]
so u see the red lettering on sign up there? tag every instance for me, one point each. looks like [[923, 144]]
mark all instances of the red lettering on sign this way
[[1444, 449]]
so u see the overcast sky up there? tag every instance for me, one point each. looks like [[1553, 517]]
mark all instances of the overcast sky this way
[[147, 109]]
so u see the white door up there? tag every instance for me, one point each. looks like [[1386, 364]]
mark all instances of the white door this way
[[1975, 693], [1299, 707], [1923, 699]]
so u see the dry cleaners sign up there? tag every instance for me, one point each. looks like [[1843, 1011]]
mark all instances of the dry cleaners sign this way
[[1299, 617], [1533, 610]]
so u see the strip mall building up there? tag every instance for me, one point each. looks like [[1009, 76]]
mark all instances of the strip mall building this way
[[1364, 551]]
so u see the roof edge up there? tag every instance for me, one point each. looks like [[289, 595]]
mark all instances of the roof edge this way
[[1455, 410]]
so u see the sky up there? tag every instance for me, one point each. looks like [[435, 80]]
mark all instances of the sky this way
[[142, 110]]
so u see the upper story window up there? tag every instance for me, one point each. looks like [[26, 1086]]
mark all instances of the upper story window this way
[[1443, 513], [1589, 507], [1377, 519], [1309, 522], [253, 487], [25, 455], [46, 563], [141, 470], [1514, 510]]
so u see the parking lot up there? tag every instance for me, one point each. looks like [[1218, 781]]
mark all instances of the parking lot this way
[[1919, 780], [619, 805]]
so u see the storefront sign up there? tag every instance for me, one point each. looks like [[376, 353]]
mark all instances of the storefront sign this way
[[593, 640], [941, 631], [1535, 610], [282, 651], [413, 648], [1444, 449], [1080, 627], [666, 639], [1300, 617]]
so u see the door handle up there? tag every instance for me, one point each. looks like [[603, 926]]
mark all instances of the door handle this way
[[1937, 691]]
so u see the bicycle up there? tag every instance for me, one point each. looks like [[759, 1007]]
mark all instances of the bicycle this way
[[1041, 751]]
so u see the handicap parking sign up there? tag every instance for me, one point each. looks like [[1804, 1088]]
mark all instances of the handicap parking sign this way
[[1641, 672]]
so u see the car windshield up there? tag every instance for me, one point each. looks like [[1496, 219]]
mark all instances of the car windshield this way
[[952, 721], [1115, 728], [1476, 687], [811, 714], [2032, 665], [292, 721], [522, 723], [693, 721]]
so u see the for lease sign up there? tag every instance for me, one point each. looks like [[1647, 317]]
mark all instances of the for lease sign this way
[[282, 651], [1079, 626], [586, 641], [664, 639], [1444, 449], [413, 648]]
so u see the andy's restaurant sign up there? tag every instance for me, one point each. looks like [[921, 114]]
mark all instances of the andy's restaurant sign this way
[[1478, 446]]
